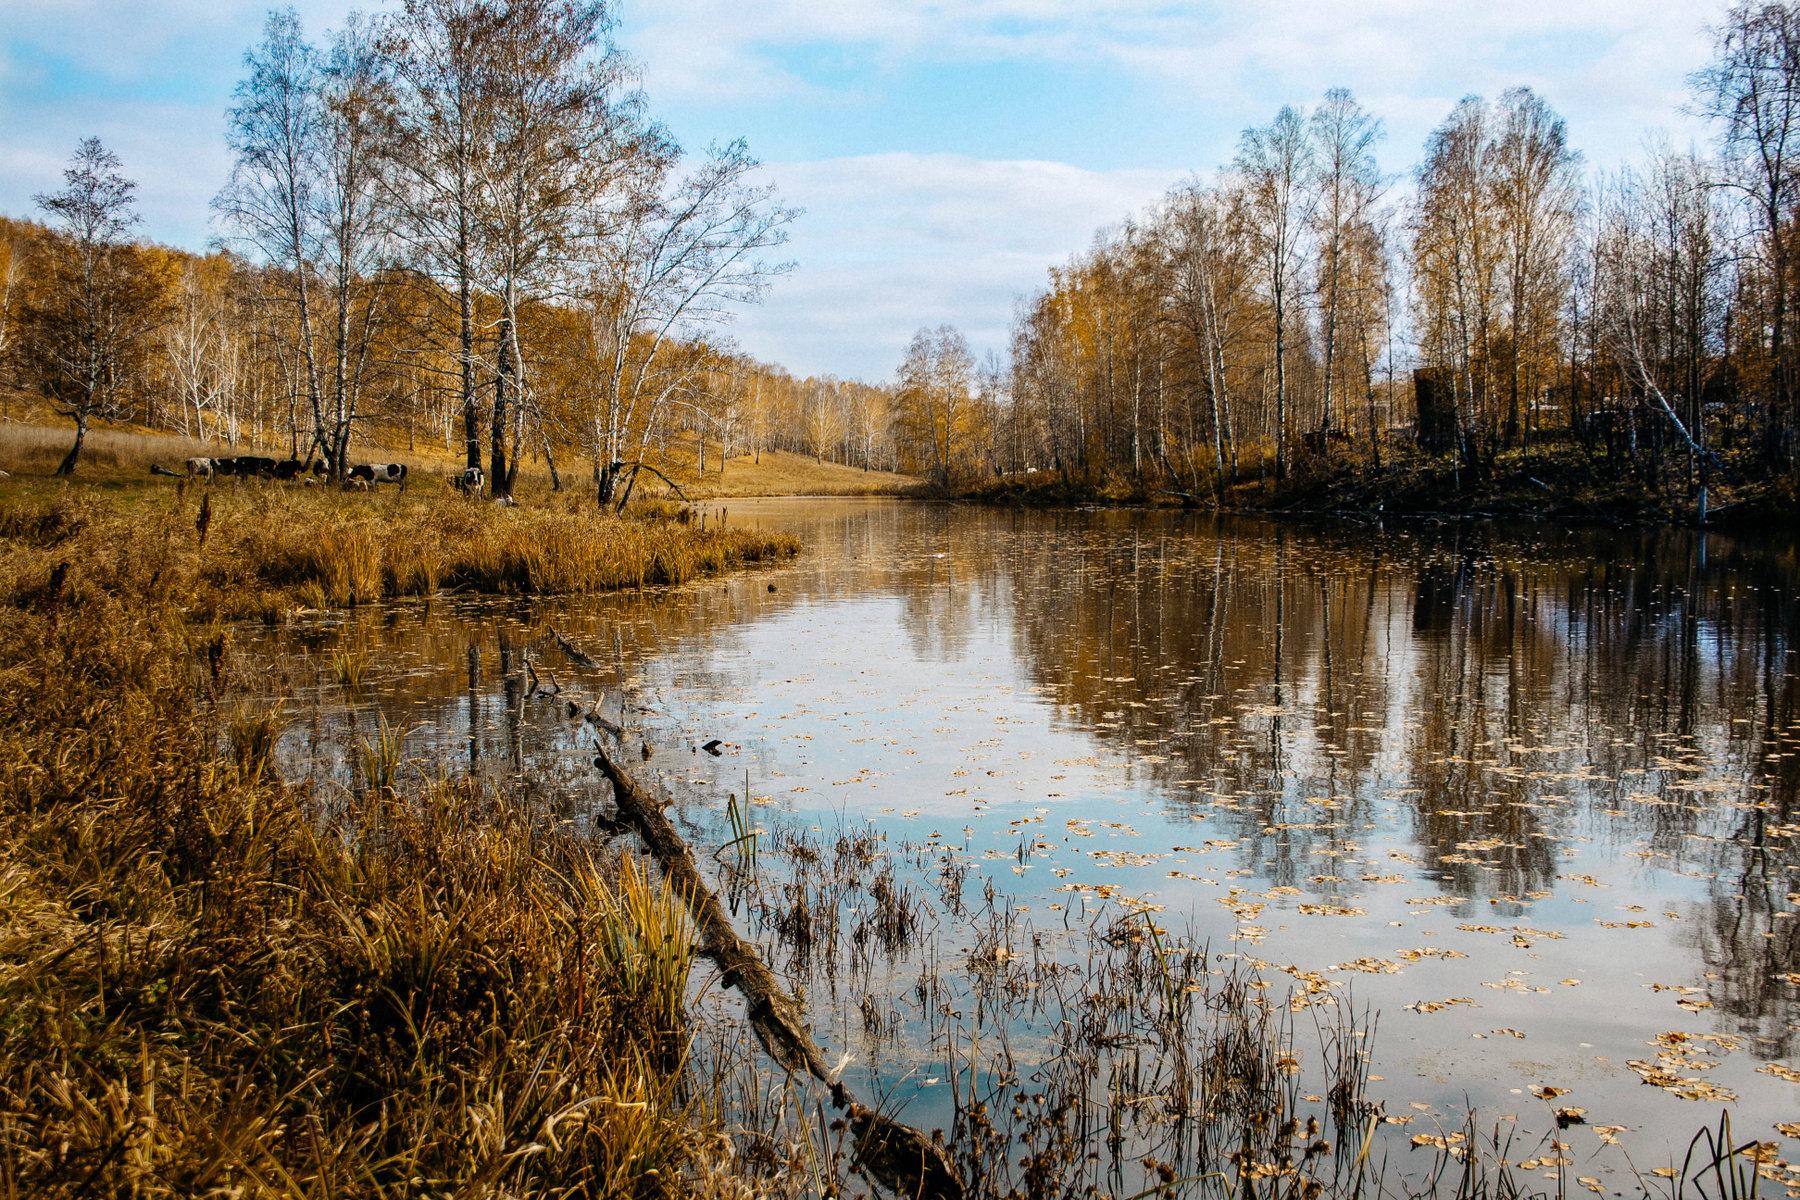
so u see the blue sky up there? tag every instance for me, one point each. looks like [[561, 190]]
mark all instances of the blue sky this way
[[946, 152]]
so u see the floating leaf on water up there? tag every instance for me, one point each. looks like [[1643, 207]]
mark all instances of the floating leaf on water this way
[[1372, 966], [1431, 1006]]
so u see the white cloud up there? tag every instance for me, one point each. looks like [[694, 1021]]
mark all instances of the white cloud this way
[[150, 80], [891, 242], [895, 241], [1612, 65]]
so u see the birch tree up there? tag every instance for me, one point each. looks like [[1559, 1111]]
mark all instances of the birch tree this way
[[1536, 189], [567, 135], [1752, 91], [676, 260], [97, 305], [1275, 163], [1346, 184]]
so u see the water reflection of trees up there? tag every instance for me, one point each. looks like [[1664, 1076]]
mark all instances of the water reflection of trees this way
[[1499, 693], [1512, 692]]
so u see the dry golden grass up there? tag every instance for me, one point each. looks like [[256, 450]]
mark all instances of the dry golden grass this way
[[779, 473], [123, 456], [268, 548], [214, 983], [107, 453], [31, 452]]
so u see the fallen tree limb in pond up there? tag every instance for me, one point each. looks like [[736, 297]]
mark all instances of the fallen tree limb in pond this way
[[899, 1156], [572, 650]]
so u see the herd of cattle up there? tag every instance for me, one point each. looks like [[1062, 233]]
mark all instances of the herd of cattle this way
[[251, 466]]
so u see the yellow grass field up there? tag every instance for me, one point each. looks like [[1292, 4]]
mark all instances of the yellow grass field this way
[[116, 456]]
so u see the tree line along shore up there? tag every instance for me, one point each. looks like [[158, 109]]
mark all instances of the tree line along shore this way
[[476, 236], [1498, 329]]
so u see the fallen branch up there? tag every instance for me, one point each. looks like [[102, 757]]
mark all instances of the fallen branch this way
[[902, 1158], [573, 651], [632, 482]]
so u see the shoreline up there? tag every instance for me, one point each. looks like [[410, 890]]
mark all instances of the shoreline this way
[[1766, 507]]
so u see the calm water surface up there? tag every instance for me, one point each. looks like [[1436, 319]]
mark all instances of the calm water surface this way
[[1527, 792]]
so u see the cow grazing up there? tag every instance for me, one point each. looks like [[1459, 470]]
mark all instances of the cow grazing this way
[[251, 465], [202, 467], [471, 480], [380, 473], [289, 469]]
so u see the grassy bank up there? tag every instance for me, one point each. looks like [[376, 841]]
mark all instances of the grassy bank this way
[[121, 458], [779, 473], [264, 550], [214, 983]]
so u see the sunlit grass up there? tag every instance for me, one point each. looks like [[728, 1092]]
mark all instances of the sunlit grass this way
[[272, 549], [349, 666], [216, 984]]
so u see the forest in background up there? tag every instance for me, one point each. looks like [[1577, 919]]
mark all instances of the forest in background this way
[[456, 223], [459, 223], [1301, 326]]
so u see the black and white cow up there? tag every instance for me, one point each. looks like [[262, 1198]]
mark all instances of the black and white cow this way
[[209, 467], [380, 473], [471, 480]]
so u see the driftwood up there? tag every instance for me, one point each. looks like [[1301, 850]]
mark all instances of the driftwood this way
[[899, 1156], [572, 650]]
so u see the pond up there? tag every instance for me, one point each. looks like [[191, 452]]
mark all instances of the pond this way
[[1521, 795]]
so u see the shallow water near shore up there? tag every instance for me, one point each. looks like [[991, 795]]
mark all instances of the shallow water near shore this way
[[1525, 792]]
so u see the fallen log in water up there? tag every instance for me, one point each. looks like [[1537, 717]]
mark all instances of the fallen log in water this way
[[572, 650], [899, 1156]]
